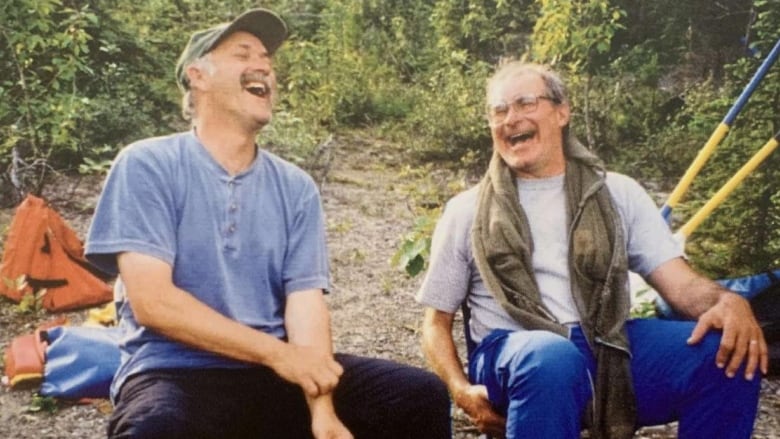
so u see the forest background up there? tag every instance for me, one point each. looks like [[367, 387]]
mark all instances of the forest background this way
[[650, 80]]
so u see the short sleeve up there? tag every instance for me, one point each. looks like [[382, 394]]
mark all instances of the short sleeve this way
[[447, 280], [306, 261], [650, 242], [135, 212]]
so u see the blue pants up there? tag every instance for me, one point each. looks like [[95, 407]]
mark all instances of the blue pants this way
[[542, 382], [375, 398]]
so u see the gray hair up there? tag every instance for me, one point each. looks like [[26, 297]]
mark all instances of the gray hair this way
[[509, 68], [188, 100]]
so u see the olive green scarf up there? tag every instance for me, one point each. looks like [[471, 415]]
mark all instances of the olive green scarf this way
[[598, 267]]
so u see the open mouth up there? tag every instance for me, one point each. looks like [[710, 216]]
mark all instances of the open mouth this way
[[257, 84], [259, 90], [521, 137]]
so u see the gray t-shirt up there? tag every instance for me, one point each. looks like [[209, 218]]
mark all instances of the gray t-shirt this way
[[453, 277], [239, 243]]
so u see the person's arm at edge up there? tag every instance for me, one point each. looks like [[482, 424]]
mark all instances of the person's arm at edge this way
[[164, 308], [714, 307], [307, 321], [442, 356]]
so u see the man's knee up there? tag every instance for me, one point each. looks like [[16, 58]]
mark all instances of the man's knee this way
[[381, 398], [149, 406], [548, 360], [428, 408], [709, 372], [432, 393], [547, 384]]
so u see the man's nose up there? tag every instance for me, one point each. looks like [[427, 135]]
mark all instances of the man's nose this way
[[261, 63]]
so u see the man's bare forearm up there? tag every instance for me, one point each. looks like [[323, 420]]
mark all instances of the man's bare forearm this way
[[685, 290], [440, 351]]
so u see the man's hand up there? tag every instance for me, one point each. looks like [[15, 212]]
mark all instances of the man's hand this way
[[474, 401], [440, 351], [742, 336], [714, 307], [307, 358], [324, 422], [330, 429], [314, 370]]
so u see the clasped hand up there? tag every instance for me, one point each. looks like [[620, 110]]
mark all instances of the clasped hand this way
[[315, 371], [474, 401]]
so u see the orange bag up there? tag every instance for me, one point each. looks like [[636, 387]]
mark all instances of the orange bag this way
[[42, 251], [24, 359]]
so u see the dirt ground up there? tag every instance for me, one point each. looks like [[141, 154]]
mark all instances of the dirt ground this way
[[372, 303]]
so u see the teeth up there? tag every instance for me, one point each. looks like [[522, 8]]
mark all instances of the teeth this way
[[522, 137], [256, 83], [257, 88]]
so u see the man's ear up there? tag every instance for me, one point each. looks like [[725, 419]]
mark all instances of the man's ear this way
[[564, 114], [194, 75]]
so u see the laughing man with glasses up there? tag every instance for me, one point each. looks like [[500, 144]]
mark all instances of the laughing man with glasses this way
[[539, 253]]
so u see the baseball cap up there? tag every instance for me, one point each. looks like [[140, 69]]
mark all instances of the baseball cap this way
[[266, 25]]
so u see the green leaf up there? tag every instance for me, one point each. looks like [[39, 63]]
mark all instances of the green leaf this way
[[47, 404], [415, 266]]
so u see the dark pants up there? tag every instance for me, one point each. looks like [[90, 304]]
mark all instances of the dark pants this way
[[374, 399]]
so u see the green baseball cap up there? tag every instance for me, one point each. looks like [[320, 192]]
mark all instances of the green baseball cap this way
[[266, 25]]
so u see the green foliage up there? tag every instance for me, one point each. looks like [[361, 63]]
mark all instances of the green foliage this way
[[31, 300], [426, 192], [575, 32], [43, 404], [467, 37], [336, 80], [63, 89], [44, 55], [98, 161], [743, 235], [484, 29], [644, 305], [412, 256], [449, 121]]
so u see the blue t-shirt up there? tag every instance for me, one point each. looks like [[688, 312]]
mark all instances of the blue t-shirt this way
[[240, 244]]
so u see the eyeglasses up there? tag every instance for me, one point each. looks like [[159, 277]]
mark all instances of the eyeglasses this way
[[497, 113]]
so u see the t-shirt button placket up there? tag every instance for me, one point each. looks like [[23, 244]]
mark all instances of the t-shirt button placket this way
[[232, 209]]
